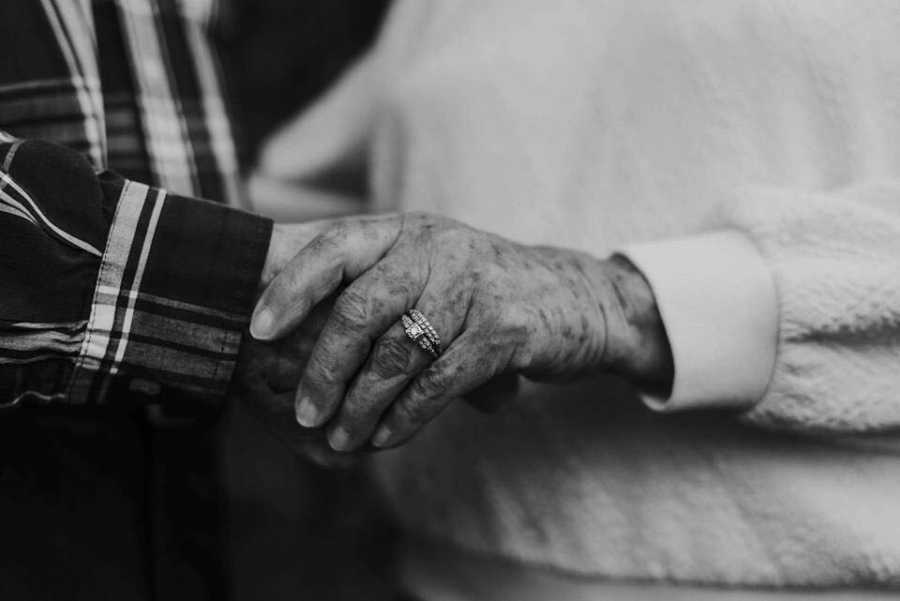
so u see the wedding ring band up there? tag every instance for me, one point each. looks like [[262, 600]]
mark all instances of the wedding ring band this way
[[419, 330]]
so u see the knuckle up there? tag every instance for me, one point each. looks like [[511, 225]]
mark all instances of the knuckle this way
[[351, 311], [324, 242], [514, 323], [410, 412], [431, 383], [323, 368], [331, 241], [356, 418], [351, 414], [338, 232], [391, 358]]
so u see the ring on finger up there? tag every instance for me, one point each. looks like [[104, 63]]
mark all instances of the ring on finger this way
[[419, 330]]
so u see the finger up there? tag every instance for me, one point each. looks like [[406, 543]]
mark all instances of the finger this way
[[284, 374], [461, 369], [319, 453], [347, 249], [275, 412], [362, 313], [287, 358], [287, 239], [395, 360]]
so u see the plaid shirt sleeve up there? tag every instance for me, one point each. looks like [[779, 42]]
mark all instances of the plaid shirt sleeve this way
[[105, 281]]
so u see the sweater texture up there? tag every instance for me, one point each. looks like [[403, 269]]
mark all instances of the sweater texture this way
[[596, 125]]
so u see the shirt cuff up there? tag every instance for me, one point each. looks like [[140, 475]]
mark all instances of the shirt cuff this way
[[717, 299], [173, 295]]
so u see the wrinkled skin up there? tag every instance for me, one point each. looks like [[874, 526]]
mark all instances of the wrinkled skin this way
[[266, 379], [499, 307], [267, 376]]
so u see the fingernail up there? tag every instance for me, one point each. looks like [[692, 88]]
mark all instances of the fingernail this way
[[262, 323], [382, 436], [307, 414], [339, 439]]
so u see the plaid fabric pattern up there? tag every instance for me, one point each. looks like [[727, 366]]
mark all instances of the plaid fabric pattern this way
[[105, 279]]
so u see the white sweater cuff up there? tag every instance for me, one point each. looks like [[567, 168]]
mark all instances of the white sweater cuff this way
[[717, 299]]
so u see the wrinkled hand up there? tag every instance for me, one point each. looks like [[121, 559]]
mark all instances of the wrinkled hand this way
[[267, 373], [266, 380], [498, 306]]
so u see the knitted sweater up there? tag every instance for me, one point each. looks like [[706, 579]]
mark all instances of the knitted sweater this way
[[751, 152]]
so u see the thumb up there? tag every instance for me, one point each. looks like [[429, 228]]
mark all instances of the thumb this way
[[341, 253], [286, 241]]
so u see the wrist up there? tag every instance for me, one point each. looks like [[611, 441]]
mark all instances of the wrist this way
[[637, 346]]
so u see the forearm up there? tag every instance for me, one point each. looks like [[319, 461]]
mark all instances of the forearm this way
[[106, 279]]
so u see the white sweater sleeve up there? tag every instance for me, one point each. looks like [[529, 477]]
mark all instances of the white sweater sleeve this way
[[793, 315]]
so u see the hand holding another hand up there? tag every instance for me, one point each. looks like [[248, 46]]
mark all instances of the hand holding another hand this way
[[498, 307]]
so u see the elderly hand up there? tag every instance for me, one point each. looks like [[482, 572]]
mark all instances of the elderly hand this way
[[267, 373], [266, 380], [498, 307]]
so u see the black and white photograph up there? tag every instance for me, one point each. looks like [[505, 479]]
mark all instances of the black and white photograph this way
[[449, 300]]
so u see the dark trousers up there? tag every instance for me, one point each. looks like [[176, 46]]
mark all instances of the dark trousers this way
[[106, 505], [141, 505]]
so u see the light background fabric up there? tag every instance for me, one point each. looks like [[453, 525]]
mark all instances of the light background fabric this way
[[596, 125]]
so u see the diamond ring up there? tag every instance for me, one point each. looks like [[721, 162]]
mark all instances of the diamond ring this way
[[419, 330]]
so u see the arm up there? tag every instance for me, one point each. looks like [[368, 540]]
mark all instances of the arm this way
[[718, 320], [109, 283], [788, 314], [498, 307]]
